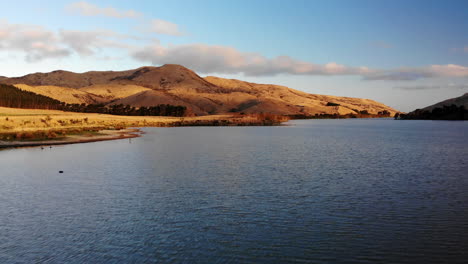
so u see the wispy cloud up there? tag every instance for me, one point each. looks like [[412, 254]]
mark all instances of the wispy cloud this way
[[157, 26], [109, 58], [164, 27], [415, 73], [86, 43], [432, 87], [459, 49], [87, 9]]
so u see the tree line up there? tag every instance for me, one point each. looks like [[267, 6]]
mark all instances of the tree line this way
[[358, 114], [120, 109], [11, 96], [447, 112]]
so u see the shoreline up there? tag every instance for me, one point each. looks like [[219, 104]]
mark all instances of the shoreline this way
[[39, 127], [75, 139], [124, 133]]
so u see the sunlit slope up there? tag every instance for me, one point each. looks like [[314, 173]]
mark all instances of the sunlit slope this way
[[177, 85]]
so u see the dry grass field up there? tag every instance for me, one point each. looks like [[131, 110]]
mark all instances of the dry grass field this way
[[34, 124]]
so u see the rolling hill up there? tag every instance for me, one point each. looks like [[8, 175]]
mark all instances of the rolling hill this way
[[458, 101], [63, 94], [450, 109], [177, 85]]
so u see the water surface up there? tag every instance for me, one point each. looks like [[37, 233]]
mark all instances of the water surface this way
[[320, 191]]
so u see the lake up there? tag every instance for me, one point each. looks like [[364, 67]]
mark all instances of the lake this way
[[314, 191]]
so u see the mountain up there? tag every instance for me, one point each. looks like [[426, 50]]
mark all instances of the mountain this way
[[450, 109], [458, 101], [165, 77], [177, 85], [281, 99]]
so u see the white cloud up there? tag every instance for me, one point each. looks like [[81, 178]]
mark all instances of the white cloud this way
[[449, 70], [87, 9], [35, 41], [220, 59], [414, 73], [164, 27], [432, 87], [86, 43], [38, 43]]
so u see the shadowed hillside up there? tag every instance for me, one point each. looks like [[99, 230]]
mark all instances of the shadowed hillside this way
[[451, 109], [10, 96]]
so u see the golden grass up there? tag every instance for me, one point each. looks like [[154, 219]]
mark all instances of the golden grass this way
[[114, 91], [13, 120], [63, 94]]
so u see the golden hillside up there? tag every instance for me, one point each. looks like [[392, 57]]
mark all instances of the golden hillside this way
[[177, 85], [113, 91], [63, 94]]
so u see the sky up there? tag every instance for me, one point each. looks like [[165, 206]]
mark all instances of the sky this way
[[406, 54]]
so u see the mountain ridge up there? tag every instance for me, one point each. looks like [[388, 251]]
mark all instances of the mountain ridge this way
[[450, 109], [176, 84], [458, 101]]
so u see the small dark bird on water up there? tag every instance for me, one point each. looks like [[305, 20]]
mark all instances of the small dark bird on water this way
[[60, 171]]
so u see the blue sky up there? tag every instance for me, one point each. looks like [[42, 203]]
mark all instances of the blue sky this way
[[406, 54]]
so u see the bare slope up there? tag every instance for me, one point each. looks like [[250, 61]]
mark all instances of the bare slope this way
[[175, 84], [293, 101], [163, 77]]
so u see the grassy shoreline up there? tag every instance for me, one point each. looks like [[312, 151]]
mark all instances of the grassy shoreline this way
[[73, 139], [33, 127]]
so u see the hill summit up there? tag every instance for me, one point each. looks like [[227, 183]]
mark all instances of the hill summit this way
[[177, 85]]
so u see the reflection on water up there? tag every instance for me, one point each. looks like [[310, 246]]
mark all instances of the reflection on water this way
[[317, 191]]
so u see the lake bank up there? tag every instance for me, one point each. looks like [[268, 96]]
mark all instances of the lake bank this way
[[102, 135], [33, 127]]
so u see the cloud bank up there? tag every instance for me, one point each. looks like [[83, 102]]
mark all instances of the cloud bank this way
[[38, 43], [220, 59], [35, 42]]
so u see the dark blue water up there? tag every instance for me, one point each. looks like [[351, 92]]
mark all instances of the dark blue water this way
[[318, 191]]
